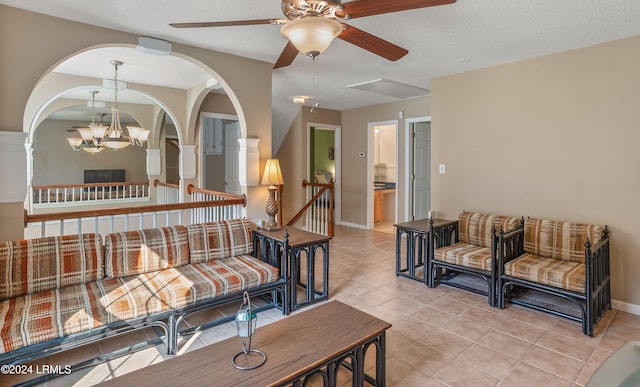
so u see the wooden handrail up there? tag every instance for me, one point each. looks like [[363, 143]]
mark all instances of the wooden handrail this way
[[157, 182], [193, 189], [87, 185], [32, 218], [324, 187]]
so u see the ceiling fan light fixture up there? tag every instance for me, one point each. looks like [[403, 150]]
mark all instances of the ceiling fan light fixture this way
[[311, 35]]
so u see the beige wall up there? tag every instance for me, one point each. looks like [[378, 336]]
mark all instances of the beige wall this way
[[554, 137], [31, 44], [355, 139], [54, 162], [293, 155]]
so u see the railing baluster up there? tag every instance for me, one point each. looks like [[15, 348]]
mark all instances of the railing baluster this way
[[214, 207]]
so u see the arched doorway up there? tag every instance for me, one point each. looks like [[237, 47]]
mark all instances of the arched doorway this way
[[156, 92]]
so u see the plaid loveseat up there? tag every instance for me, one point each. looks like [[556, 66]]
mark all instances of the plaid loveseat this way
[[568, 260], [61, 292], [470, 249]]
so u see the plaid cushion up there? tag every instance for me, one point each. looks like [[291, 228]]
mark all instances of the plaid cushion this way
[[475, 228], [217, 240], [559, 240], [553, 272], [465, 254], [35, 265], [142, 251], [238, 273], [51, 314]]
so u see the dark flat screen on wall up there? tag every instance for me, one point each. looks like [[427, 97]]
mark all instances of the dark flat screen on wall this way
[[103, 175]]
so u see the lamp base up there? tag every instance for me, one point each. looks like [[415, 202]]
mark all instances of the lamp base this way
[[249, 360], [271, 228]]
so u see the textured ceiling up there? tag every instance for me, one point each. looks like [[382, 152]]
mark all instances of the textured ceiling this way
[[442, 40]]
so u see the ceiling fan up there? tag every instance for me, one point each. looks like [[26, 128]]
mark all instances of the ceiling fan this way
[[311, 25]]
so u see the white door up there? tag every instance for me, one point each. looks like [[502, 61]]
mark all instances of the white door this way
[[421, 191], [232, 158]]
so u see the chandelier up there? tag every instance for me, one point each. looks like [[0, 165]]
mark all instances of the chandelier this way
[[312, 26], [95, 138]]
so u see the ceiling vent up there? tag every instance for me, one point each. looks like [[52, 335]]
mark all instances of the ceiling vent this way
[[390, 88]]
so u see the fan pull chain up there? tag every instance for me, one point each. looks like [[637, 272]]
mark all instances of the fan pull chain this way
[[316, 87]]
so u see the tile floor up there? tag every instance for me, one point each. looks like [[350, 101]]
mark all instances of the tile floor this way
[[440, 337]]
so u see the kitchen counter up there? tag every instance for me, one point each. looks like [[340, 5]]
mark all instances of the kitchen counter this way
[[381, 189]]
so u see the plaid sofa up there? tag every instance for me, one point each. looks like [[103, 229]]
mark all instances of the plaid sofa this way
[[472, 250], [568, 260], [58, 290]]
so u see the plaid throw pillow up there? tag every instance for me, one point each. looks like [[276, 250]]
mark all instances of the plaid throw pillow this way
[[216, 240], [559, 240], [143, 251], [35, 265]]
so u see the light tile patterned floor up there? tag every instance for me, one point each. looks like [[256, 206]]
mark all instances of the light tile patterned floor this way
[[440, 337]]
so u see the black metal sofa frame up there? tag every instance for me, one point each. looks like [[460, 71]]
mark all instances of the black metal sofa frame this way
[[441, 271], [593, 303], [166, 324]]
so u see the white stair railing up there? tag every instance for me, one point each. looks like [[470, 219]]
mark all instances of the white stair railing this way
[[213, 214]]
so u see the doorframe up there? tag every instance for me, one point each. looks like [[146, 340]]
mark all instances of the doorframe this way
[[201, 155], [409, 162], [337, 145], [370, 175]]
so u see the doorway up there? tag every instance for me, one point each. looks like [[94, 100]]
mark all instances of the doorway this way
[[418, 178], [220, 165], [382, 198], [324, 151]]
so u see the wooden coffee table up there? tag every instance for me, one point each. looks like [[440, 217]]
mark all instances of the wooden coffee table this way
[[317, 341]]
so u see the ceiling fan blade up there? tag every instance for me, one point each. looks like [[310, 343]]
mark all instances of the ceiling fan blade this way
[[372, 43], [361, 8], [288, 55], [224, 23]]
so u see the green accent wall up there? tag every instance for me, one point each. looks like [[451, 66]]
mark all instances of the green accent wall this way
[[321, 141]]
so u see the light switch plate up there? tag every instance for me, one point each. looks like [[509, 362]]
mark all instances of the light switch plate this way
[[441, 169]]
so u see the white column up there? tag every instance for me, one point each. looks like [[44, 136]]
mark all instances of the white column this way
[[29, 153], [187, 167], [154, 162], [187, 161], [13, 167], [249, 165]]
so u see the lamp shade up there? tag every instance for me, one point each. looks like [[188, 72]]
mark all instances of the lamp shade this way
[[272, 174], [311, 35], [74, 141]]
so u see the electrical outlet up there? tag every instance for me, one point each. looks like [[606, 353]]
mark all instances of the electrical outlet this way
[[441, 169]]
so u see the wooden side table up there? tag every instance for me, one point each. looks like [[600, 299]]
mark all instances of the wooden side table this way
[[417, 247], [301, 243]]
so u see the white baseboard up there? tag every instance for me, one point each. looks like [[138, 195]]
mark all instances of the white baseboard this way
[[354, 225], [625, 307]]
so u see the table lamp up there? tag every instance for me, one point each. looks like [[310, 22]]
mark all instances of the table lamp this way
[[272, 177]]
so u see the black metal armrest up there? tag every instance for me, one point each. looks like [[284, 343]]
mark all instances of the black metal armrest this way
[[273, 251], [597, 264], [444, 234], [510, 246]]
